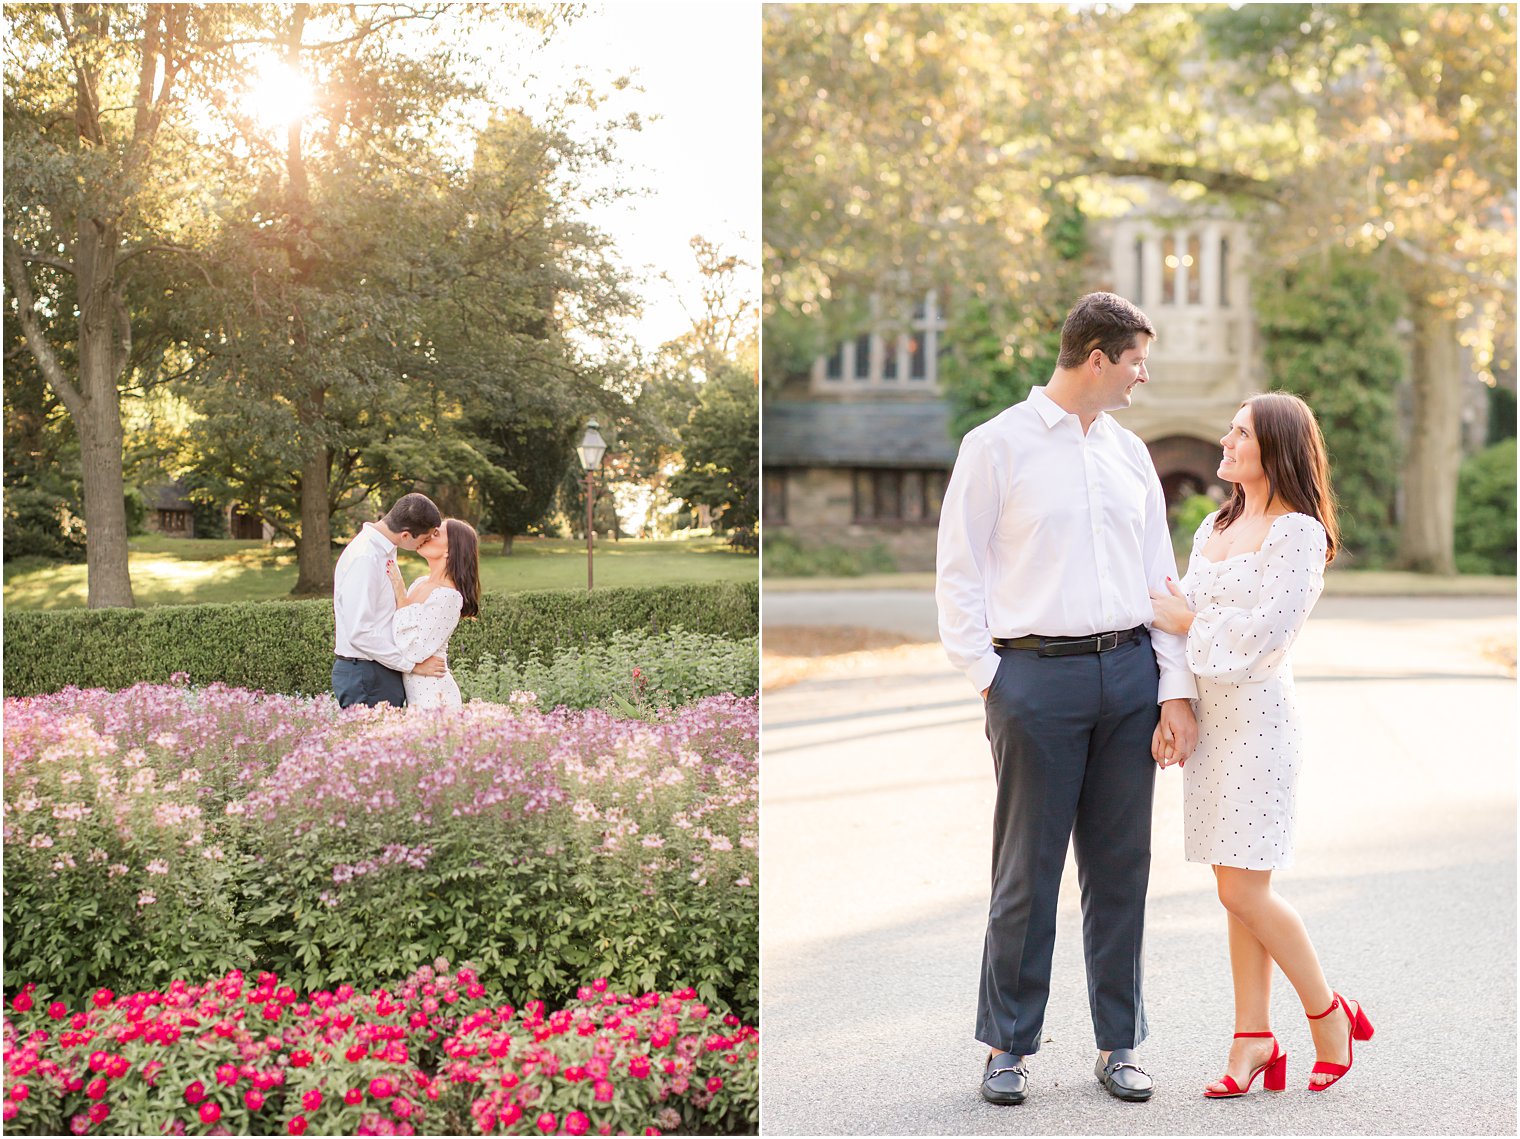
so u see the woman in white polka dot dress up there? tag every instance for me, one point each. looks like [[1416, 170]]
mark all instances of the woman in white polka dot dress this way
[[427, 613], [1257, 568]]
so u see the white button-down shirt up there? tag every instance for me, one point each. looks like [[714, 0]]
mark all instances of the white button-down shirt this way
[[1051, 532], [364, 604]]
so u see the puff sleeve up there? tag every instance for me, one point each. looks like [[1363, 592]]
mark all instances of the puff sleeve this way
[[423, 630], [1242, 645]]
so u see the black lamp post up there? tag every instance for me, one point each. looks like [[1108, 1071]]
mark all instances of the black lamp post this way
[[592, 448]]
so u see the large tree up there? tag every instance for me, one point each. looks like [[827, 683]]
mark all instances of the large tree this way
[[927, 145], [721, 447], [95, 167], [391, 290], [1408, 147]]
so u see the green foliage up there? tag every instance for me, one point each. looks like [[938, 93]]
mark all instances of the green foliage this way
[[528, 463], [42, 524], [1187, 516], [721, 443], [993, 362], [631, 670], [1328, 335], [785, 556], [137, 511], [923, 142], [287, 646], [168, 832], [1501, 414], [1486, 511], [157, 1075]]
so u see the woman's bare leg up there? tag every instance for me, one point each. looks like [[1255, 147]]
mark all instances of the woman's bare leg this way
[[1251, 971], [1275, 926]]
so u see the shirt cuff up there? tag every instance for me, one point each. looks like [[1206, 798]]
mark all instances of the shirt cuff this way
[[1176, 686], [981, 673]]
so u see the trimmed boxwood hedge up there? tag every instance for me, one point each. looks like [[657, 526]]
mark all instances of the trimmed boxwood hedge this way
[[287, 646]]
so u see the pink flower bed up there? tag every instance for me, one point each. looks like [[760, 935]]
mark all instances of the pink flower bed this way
[[434, 1055], [199, 827]]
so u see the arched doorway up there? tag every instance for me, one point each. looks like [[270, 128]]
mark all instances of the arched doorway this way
[[1187, 466]]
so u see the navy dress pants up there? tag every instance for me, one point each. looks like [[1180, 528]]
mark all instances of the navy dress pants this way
[[1071, 745], [366, 682]]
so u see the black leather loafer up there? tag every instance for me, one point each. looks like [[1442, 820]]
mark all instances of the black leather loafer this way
[[1123, 1077], [1004, 1081]]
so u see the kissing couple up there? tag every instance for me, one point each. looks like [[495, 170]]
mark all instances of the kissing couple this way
[[392, 641]]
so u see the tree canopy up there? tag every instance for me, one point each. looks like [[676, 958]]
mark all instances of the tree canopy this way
[[383, 285], [934, 145]]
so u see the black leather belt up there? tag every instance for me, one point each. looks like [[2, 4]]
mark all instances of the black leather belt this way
[[354, 660], [1070, 646]]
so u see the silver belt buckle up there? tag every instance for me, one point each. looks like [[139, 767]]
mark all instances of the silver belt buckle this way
[[1107, 641]]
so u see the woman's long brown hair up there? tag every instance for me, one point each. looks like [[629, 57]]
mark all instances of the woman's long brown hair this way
[[462, 564], [1296, 463]]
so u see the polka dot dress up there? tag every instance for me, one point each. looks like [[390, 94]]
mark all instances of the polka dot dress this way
[[1239, 783], [423, 630]]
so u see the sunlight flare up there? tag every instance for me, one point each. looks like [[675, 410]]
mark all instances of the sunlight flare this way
[[278, 95]]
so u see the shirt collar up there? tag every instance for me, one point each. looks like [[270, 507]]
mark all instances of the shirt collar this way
[[1051, 413], [380, 540]]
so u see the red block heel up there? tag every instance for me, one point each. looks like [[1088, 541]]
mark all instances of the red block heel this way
[[1358, 1028], [1275, 1078]]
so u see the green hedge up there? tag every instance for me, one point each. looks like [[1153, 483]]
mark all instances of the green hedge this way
[[1485, 539], [287, 646]]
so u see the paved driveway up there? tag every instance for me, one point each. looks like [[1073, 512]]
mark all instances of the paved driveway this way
[[876, 809]]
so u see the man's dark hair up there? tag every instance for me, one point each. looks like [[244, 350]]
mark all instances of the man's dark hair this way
[[414, 513], [1101, 320]]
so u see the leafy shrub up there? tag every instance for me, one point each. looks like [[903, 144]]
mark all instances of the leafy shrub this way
[[161, 831], [633, 669], [1485, 537], [432, 1055], [1188, 515], [1329, 334], [41, 524], [785, 556], [287, 646]]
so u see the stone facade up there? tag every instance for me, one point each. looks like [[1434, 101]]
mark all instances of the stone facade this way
[[856, 449]]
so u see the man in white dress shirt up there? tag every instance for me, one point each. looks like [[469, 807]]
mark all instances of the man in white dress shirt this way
[[1052, 535], [367, 665]]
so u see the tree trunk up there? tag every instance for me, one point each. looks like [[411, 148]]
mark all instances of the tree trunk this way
[[105, 510], [506, 543], [104, 339], [1426, 538], [314, 562]]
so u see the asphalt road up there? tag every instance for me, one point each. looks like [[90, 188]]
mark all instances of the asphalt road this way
[[876, 817]]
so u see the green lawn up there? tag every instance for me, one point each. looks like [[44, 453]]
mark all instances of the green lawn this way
[[169, 571]]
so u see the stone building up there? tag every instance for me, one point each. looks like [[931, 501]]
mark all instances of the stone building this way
[[169, 511], [857, 451]]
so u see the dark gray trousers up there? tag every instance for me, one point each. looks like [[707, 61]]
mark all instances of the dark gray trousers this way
[[1071, 745], [366, 682]]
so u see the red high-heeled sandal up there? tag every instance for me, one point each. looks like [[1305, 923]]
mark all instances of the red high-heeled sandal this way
[[1276, 1069], [1359, 1028]]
